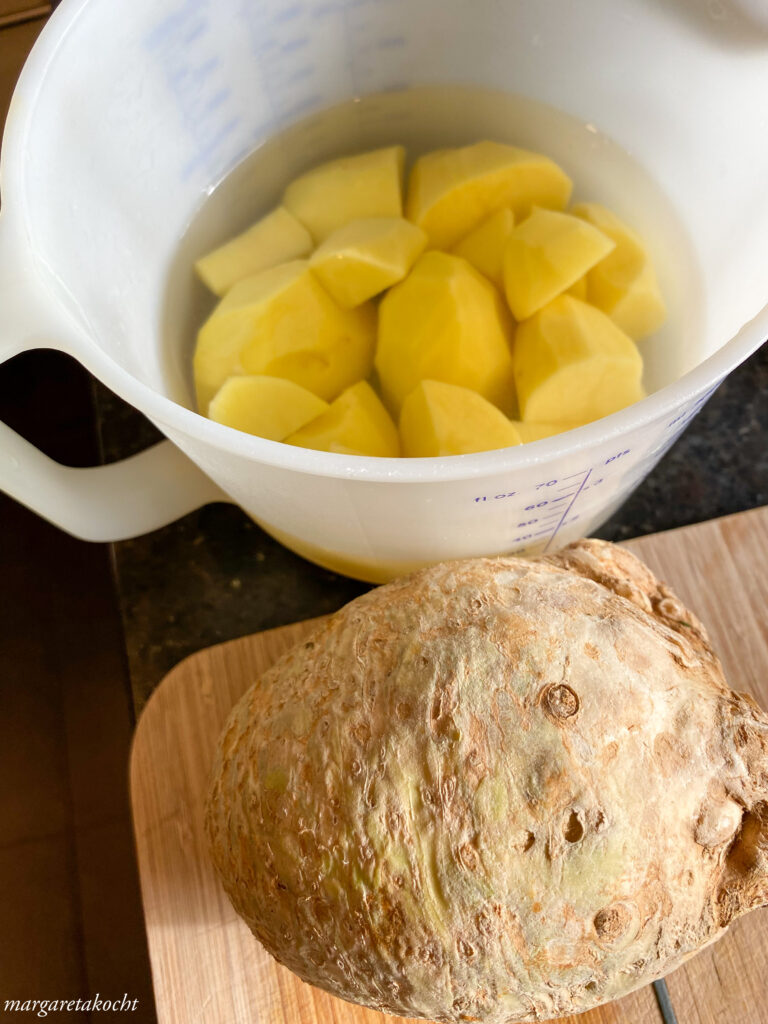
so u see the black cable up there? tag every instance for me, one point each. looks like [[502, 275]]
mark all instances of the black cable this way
[[661, 992]]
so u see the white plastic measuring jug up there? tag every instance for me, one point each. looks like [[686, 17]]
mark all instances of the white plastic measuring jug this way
[[128, 113]]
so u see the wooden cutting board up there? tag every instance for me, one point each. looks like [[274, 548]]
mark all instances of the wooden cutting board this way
[[208, 968]]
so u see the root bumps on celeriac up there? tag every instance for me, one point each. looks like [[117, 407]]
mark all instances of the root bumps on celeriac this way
[[495, 790]]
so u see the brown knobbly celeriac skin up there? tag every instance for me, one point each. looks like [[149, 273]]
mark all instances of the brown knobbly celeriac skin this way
[[495, 790]]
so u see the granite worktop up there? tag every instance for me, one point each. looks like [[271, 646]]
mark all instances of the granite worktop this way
[[214, 575]]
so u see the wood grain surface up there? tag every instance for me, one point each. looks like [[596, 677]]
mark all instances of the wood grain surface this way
[[15, 44], [208, 968], [13, 12]]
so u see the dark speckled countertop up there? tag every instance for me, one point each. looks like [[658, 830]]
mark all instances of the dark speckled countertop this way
[[214, 575]]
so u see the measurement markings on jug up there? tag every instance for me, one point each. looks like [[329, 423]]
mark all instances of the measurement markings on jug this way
[[618, 455], [179, 45], [595, 483], [565, 520], [288, 14], [682, 419], [495, 497]]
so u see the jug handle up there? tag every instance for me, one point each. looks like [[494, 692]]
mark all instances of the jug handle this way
[[102, 503]]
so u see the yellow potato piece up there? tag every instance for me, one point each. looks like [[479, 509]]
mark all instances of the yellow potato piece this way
[[445, 322], [350, 188], [274, 239], [547, 254], [364, 257], [538, 431], [624, 284], [579, 290], [484, 247], [270, 407], [282, 323], [573, 364], [445, 419], [355, 424], [452, 190]]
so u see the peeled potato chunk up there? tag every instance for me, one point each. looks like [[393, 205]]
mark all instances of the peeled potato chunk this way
[[282, 323], [573, 364], [452, 190], [484, 247], [538, 431], [547, 254], [355, 424], [274, 239], [269, 407], [366, 256], [350, 188], [624, 283], [579, 290], [445, 322], [445, 419]]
